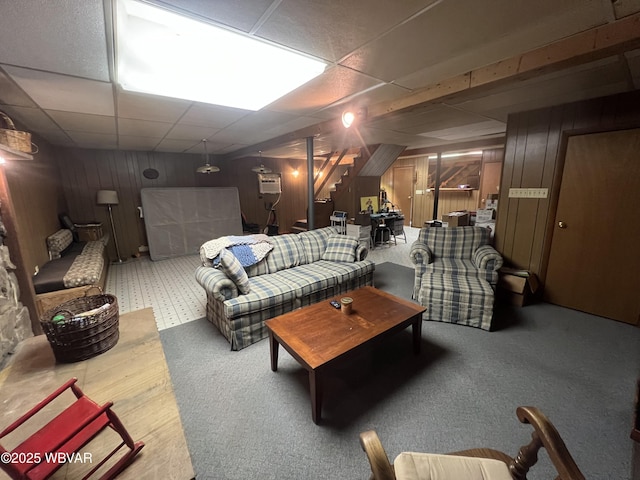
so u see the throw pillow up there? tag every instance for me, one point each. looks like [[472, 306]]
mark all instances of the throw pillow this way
[[341, 248], [232, 267]]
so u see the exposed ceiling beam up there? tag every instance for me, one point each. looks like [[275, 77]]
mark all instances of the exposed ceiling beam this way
[[494, 142], [593, 44]]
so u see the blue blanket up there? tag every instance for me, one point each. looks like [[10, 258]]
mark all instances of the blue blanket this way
[[248, 249]]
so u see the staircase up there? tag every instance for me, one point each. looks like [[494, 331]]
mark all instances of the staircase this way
[[348, 177], [372, 161]]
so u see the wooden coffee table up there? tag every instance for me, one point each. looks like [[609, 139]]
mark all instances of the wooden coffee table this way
[[318, 335]]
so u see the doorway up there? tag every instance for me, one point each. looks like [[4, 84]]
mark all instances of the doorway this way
[[403, 185], [594, 261]]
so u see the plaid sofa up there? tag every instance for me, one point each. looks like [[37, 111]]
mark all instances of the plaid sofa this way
[[301, 269], [456, 271]]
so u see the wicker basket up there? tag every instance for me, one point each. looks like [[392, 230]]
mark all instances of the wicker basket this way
[[15, 139], [74, 338]]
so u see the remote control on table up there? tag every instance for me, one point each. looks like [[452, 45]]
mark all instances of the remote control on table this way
[[334, 304]]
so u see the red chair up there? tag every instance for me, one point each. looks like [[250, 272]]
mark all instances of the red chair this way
[[45, 451]]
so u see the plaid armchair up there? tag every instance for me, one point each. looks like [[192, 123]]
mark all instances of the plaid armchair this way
[[455, 251]]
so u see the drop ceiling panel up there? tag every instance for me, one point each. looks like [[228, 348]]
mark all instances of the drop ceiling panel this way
[[239, 15], [11, 94], [142, 128], [524, 39], [212, 115], [374, 135], [126, 142], [58, 92], [434, 117], [298, 149], [175, 145], [32, 119], [382, 92], [334, 84], [94, 140], [331, 29], [190, 133], [429, 39], [80, 122], [232, 147], [64, 37], [480, 129], [605, 77], [212, 147], [59, 138], [626, 7], [253, 127], [379, 42], [150, 107]]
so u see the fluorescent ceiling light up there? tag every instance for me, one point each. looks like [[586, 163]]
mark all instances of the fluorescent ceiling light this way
[[455, 155], [163, 53]]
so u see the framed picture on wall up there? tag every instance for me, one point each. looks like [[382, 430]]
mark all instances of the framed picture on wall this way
[[369, 204]]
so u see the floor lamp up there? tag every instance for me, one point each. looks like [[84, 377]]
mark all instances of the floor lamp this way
[[108, 198]]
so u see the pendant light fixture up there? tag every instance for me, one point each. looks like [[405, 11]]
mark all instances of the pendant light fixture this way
[[261, 168], [207, 167]]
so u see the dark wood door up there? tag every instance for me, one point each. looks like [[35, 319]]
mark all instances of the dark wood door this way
[[403, 190], [594, 263]]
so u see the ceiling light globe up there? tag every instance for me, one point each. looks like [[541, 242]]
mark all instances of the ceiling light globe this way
[[348, 118]]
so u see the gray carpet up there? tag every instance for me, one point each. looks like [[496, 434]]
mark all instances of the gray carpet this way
[[243, 421]]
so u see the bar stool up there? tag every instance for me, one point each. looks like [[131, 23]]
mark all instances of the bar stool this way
[[382, 230]]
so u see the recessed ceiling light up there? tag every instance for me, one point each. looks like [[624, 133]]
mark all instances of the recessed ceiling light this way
[[163, 53]]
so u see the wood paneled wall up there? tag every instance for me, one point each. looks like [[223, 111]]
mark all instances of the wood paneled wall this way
[[534, 157], [32, 196], [423, 200], [349, 200], [84, 172]]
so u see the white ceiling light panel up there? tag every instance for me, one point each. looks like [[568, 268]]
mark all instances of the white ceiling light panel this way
[[163, 53]]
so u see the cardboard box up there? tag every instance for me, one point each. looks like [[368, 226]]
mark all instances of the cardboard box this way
[[456, 219], [517, 287]]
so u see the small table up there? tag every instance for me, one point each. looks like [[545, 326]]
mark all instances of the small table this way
[[318, 335]]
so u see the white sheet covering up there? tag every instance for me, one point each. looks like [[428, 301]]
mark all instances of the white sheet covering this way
[[179, 220]]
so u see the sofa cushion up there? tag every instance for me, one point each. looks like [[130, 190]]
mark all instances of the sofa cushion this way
[[461, 299], [232, 267], [94, 247], [345, 271], [428, 466], [314, 243], [287, 252], [267, 291], [85, 270], [461, 266], [59, 241], [456, 242], [307, 279], [341, 248]]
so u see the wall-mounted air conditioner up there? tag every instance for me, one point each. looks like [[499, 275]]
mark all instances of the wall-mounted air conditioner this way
[[269, 183]]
